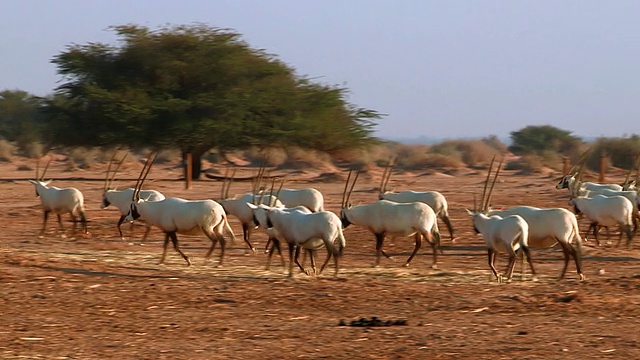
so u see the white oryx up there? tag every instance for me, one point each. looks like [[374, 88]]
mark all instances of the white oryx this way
[[501, 234], [310, 198], [548, 227], [179, 216], [606, 211], [274, 236], [307, 230], [59, 201], [238, 206], [391, 218], [572, 181], [434, 199], [121, 199]]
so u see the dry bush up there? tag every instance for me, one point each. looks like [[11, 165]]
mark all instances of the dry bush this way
[[299, 158], [82, 157], [32, 150], [430, 161], [496, 144], [264, 156], [363, 157], [470, 152], [6, 150]]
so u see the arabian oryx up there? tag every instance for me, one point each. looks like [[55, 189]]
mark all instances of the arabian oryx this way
[[501, 234], [387, 217], [179, 216], [572, 181], [121, 199], [59, 201], [434, 199], [303, 229], [238, 206]]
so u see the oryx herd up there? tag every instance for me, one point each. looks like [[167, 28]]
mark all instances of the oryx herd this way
[[298, 217]]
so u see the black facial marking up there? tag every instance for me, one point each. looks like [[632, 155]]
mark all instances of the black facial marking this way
[[345, 221], [134, 212], [269, 223], [576, 210], [255, 220]]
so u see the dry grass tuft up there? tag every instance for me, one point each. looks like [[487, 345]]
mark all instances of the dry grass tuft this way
[[7, 150]]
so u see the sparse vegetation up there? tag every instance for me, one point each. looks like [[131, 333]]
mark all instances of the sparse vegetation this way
[[7, 150]]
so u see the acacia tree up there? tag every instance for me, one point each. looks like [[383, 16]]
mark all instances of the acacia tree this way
[[195, 88], [538, 139]]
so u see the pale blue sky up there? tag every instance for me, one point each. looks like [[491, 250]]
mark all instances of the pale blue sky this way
[[443, 69]]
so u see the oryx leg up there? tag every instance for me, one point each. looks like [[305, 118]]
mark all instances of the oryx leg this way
[[510, 266], [174, 240], [629, 232], [291, 249], [246, 233], [379, 242], [447, 221], [83, 219], [492, 259], [214, 241], [312, 255], [120, 221], [44, 223], [566, 252], [418, 238], [329, 255], [164, 247], [595, 232], [275, 246], [297, 262], [527, 254], [146, 233]]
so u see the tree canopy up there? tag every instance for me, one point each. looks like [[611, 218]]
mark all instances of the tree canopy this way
[[538, 139], [196, 88]]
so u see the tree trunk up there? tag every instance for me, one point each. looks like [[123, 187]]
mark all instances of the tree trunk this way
[[196, 159]]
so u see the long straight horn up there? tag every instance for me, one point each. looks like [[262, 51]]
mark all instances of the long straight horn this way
[[344, 192], [495, 178], [271, 196], [384, 175], [486, 182], [280, 188], [115, 172], [143, 175], [224, 183], [233, 176], [579, 165], [353, 184], [106, 178], [46, 167]]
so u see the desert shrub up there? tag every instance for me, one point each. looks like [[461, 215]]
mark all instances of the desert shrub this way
[[429, 161], [496, 144], [470, 152], [620, 152], [378, 154], [526, 163], [81, 157], [32, 150], [6, 150], [265, 156]]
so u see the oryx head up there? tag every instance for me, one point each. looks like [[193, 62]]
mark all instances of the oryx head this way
[[574, 172], [135, 199], [108, 181], [39, 180], [346, 196], [485, 200]]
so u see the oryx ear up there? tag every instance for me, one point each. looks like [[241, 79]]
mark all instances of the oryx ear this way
[[46, 182], [33, 181], [253, 207], [469, 212]]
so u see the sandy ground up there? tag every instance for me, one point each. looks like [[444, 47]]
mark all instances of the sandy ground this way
[[96, 297]]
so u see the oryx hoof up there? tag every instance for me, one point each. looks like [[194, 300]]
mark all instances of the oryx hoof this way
[[406, 265], [434, 266]]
